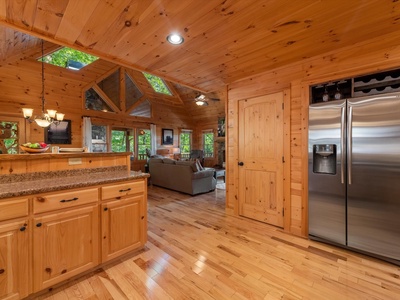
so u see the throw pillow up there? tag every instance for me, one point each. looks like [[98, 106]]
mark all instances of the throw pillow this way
[[199, 166]]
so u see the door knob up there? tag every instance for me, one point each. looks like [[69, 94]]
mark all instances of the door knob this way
[[240, 163]]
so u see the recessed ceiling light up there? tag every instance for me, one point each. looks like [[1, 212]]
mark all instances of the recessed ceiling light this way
[[175, 39]]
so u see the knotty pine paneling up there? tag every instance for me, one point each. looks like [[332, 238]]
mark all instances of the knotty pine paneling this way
[[363, 58], [20, 86]]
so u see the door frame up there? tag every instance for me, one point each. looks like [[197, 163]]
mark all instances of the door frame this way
[[286, 153]]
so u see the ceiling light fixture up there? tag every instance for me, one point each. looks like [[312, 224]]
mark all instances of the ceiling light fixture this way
[[45, 119], [200, 100], [201, 103], [175, 39]]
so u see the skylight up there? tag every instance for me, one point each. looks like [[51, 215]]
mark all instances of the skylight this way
[[69, 58], [158, 84]]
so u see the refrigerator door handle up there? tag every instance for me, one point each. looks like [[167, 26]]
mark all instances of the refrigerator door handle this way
[[342, 145], [350, 143]]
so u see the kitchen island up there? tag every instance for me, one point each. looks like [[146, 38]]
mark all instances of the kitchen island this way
[[68, 218]]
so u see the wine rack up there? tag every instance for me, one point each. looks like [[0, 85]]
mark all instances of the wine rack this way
[[366, 85]]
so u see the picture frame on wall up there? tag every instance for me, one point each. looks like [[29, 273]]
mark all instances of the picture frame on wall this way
[[58, 133], [167, 136]]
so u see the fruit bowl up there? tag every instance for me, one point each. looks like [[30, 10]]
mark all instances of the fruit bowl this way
[[33, 150]]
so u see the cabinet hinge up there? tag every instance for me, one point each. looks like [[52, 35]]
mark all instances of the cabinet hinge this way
[[283, 212], [283, 159], [283, 106]]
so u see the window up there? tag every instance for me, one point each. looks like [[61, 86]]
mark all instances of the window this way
[[99, 138], [69, 58], [158, 84], [208, 143], [122, 140], [9, 137], [186, 142], [144, 142]]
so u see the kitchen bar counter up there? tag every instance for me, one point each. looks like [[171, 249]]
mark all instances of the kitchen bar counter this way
[[32, 183], [36, 156]]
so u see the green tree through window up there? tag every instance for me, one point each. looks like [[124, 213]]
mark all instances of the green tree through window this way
[[186, 142], [208, 144], [144, 141], [61, 57], [121, 141], [9, 137], [157, 83]]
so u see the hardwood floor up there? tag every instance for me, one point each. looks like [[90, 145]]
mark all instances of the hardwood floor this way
[[196, 251]]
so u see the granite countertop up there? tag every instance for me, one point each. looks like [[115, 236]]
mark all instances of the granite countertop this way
[[42, 182]]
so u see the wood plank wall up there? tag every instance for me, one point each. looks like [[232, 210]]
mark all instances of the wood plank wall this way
[[363, 58], [20, 86]]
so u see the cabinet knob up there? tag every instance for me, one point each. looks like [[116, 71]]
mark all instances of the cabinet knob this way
[[240, 163], [38, 224], [22, 228], [2, 271], [64, 271], [105, 208], [48, 270], [41, 199]]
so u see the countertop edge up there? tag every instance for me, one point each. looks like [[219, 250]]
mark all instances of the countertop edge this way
[[72, 184]]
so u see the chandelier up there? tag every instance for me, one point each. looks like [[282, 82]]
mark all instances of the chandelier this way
[[45, 119]]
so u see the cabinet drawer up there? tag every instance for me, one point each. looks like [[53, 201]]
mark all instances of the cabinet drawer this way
[[13, 208], [123, 189], [54, 201]]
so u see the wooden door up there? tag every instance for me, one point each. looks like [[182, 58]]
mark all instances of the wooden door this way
[[14, 260], [122, 226], [261, 158], [64, 245]]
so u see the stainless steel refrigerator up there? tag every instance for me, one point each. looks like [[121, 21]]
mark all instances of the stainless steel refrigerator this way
[[354, 174]]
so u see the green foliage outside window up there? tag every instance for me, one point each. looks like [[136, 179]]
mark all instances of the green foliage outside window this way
[[208, 144], [144, 141], [185, 142], [8, 137], [119, 141], [61, 57], [158, 84]]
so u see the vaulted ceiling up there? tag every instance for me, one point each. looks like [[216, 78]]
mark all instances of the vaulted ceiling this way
[[225, 40]]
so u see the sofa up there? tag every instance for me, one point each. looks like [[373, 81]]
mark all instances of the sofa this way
[[183, 176]]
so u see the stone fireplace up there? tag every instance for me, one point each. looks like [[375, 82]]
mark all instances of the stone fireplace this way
[[220, 150]]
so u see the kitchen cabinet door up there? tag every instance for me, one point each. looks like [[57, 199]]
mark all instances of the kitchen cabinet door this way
[[123, 226], [64, 245], [14, 260]]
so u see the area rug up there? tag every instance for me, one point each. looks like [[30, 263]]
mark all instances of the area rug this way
[[221, 186]]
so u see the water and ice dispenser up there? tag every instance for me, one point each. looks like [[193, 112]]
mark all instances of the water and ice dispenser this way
[[324, 159]]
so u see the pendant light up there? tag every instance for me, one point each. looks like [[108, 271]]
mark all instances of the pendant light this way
[[45, 119]]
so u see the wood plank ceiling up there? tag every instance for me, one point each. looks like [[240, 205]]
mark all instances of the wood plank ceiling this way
[[225, 40]]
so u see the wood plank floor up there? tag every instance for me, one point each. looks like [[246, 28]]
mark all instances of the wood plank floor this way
[[196, 251]]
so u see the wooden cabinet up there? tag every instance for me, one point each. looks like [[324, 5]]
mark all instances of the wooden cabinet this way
[[14, 248], [64, 245], [123, 218], [66, 199], [14, 259], [50, 237]]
